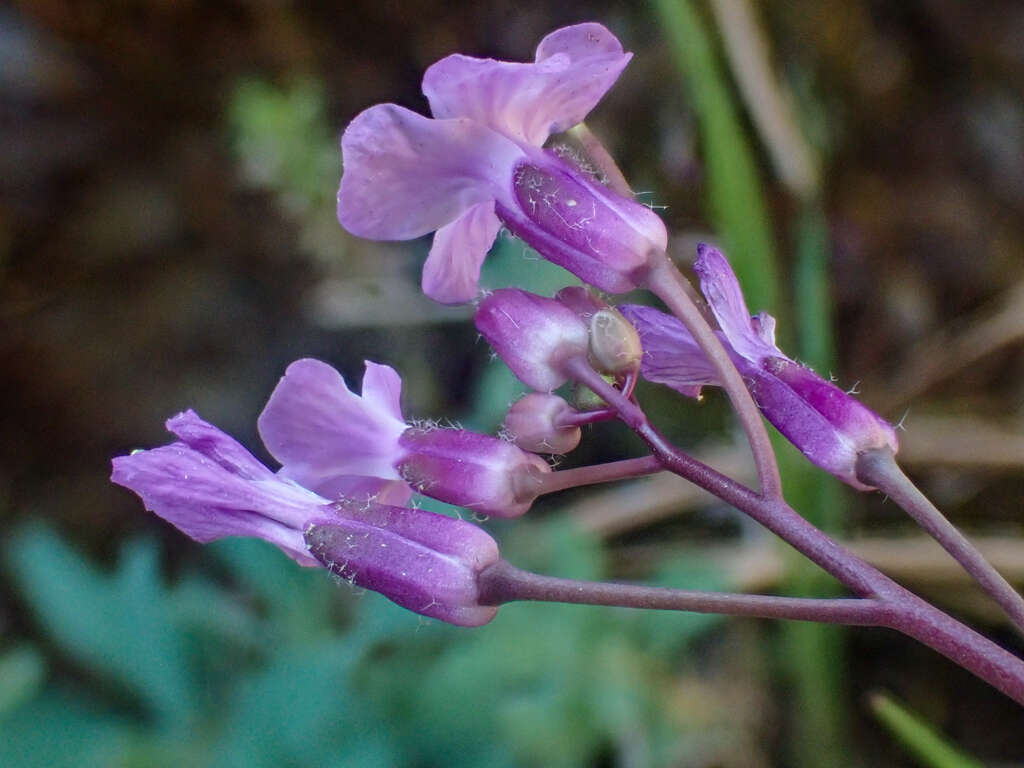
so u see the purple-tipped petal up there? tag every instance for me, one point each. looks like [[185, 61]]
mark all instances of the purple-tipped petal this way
[[406, 175], [210, 487], [321, 432], [720, 287], [216, 445], [422, 561], [451, 274], [671, 355], [574, 68]]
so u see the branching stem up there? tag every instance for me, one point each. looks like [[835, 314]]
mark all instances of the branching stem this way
[[906, 612], [878, 468]]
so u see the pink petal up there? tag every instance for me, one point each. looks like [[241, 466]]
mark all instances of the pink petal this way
[[406, 175], [574, 68], [382, 389], [452, 271], [320, 431], [720, 287], [671, 355]]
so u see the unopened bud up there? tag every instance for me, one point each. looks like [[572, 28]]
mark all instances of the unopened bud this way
[[532, 424], [614, 343], [534, 335]]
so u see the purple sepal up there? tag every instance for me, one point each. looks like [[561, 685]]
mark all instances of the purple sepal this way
[[479, 472], [532, 334], [601, 237], [830, 427], [329, 439], [582, 301], [209, 486], [422, 561]]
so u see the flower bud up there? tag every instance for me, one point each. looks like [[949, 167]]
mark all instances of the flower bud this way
[[614, 343], [532, 424], [534, 335], [426, 562], [482, 473]]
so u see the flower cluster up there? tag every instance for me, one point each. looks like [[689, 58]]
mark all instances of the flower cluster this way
[[350, 464], [349, 467]]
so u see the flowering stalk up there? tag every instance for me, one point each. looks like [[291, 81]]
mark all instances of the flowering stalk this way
[[905, 611], [879, 469], [599, 473], [667, 283], [504, 583]]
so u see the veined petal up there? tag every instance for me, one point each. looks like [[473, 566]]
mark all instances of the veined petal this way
[[574, 68], [382, 389], [406, 175], [320, 431], [752, 340], [671, 355], [206, 488], [451, 274]]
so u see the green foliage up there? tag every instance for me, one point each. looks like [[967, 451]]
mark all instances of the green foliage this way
[[918, 737], [734, 192], [285, 146], [249, 660]]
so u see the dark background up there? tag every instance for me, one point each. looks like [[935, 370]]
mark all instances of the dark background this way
[[155, 255]]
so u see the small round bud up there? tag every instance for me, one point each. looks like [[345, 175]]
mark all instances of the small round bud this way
[[532, 424], [614, 343]]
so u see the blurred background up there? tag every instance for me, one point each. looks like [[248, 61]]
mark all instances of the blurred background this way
[[168, 240]]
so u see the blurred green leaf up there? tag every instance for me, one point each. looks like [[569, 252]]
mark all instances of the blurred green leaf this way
[[22, 670], [735, 197], [119, 626], [57, 729], [297, 599], [916, 736]]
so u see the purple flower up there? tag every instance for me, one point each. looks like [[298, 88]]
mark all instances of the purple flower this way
[[345, 445], [479, 164], [829, 426], [210, 487]]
